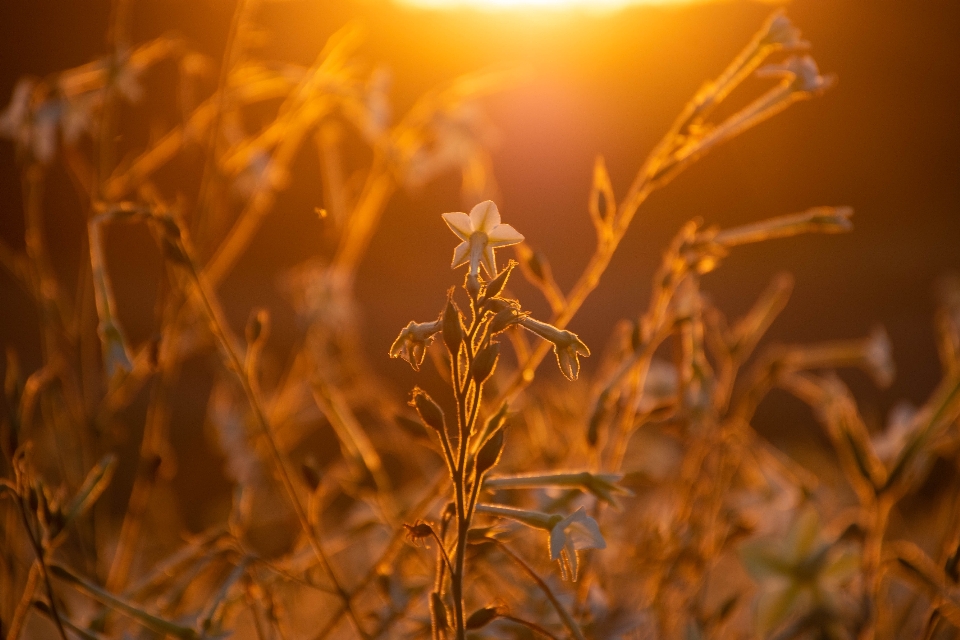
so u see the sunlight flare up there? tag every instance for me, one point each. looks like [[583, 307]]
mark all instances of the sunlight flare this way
[[496, 5]]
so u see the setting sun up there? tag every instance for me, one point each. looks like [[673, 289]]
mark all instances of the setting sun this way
[[495, 5]]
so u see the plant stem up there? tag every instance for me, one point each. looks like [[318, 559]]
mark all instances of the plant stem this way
[[41, 561], [561, 610], [233, 361]]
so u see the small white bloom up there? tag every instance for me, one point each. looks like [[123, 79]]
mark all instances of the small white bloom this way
[[481, 233], [801, 73], [576, 531], [566, 345]]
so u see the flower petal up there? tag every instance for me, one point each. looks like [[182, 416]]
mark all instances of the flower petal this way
[[489, 261], [503, 235], [461, 254], [573, 561], [459, 223], [585, 534], [558, 538], [485, 216]]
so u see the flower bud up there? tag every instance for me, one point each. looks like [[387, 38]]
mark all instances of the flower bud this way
[[489, 453], [482, 617], [503, 320], [497, 284], [485, 362], [430, 412], [452, 331], [418, 532]]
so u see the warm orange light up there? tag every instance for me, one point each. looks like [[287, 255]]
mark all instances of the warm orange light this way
[[493, 5]]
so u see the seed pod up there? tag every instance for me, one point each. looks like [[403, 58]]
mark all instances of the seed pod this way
[[452, 331], [489, 453], [497, 284], [482, 617], [418, 532], [485, 362], [430, 412]]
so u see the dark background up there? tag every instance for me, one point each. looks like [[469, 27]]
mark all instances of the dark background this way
[[885, 140]]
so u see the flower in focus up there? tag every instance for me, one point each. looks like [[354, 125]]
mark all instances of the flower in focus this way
[[481, 233], [411, 344], [576, 531]]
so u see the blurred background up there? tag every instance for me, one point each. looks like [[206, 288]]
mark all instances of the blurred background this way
[[885, 140]]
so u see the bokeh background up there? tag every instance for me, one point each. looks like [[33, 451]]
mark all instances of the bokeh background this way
[[885, 140]]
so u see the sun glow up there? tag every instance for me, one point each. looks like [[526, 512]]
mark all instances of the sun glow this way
[[494, 5]]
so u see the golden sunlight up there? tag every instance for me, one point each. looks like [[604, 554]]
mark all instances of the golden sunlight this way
[[494, 5]]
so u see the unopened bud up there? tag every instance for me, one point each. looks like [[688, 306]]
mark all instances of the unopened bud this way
[[452, 331], [503, 320], [485, 362], [497, 284], [489, 453], [430, 412], [482, 617]]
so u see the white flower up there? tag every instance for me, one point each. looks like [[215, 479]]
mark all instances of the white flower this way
[[567, 535], [412, 343], [566, 345], [481, 233], [576, 531]]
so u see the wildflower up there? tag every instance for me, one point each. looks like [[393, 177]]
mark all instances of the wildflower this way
[[566, 345], [481, 233], [576, 531], [411, 344], [567, 535]]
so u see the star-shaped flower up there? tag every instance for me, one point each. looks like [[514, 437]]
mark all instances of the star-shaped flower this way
[[576, 531], [481, 233]]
